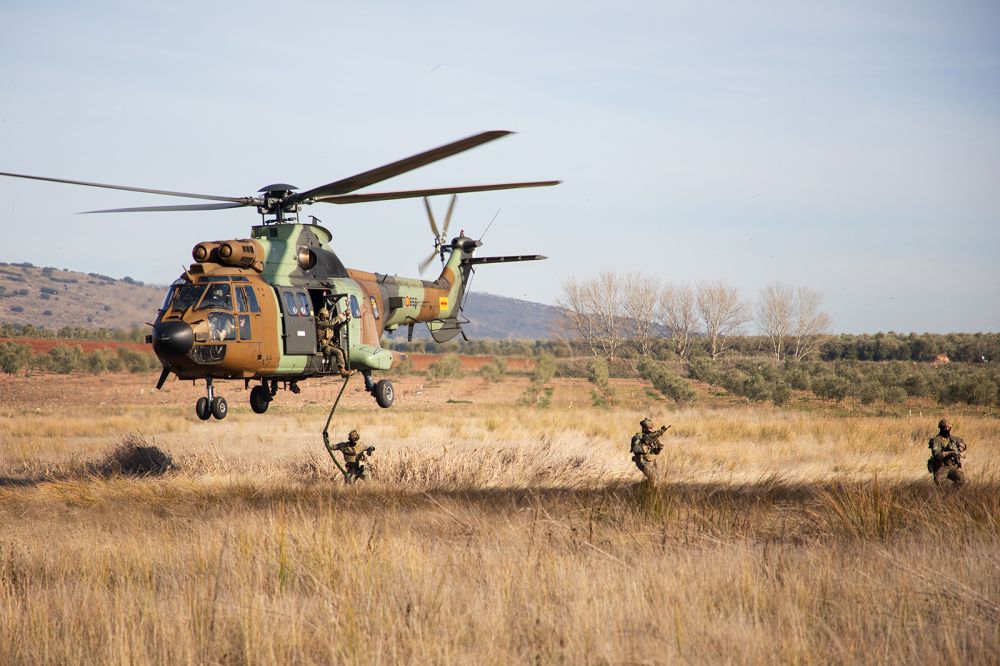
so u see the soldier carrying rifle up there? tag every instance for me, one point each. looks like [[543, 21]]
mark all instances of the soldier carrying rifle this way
[[946, 455], [355, 457], [645, 447]]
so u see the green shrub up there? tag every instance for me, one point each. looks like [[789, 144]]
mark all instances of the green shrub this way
[[13, 357], [870, 392], [831, 388], [538, 393], [597, 370], [136, 361], [493, 371], [65, 359], [895, 395], [449, 365], [780, 394], [545, 369], [103, 360], [666, 382]]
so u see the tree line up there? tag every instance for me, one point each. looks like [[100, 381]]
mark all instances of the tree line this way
[[65, 359], [613, 313], [134, 334]]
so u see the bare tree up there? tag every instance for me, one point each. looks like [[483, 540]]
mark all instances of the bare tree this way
[[679, 313], [640, 295], [722, 311], [595, 312], [811, 324], [776, 315]]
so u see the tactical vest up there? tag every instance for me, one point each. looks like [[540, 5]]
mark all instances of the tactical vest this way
[[948, 444]]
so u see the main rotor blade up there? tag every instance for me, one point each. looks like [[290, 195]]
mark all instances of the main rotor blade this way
[[430, 217], [447, 217], [381, 173], [153, 209], [385, 196], [242, 200]]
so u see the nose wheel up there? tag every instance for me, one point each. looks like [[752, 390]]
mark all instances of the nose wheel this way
[[211, 405]]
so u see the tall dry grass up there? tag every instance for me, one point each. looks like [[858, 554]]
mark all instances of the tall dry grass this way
[[499, 534]]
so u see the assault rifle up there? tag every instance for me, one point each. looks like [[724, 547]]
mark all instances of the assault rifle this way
[[653, 439], [956, 454]]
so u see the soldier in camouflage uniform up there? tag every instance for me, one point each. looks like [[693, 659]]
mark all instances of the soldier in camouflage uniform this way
[[329, 336], [946, 455], [355, 457], [645, 447]]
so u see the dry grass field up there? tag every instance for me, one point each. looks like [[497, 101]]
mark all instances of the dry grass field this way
[[491, 532]]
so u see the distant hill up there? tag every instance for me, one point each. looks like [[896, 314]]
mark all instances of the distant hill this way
[[52, 298], [499, 317]]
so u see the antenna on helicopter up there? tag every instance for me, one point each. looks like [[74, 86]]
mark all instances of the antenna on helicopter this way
[[483, 235]]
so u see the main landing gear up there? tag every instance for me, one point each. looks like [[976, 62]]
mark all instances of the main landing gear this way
[[211, 405], [262, 394], [382, 389]]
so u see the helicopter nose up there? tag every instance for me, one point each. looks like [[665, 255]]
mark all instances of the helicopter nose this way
[[172, 338]]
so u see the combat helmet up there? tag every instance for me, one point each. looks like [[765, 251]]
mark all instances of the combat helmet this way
[[354, 435], [646, 424], [944, 424]]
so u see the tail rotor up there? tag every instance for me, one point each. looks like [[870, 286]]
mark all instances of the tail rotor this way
[[440, 237]]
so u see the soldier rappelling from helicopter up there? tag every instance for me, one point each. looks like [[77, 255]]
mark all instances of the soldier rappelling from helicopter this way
[[329, 331], [355, 457]]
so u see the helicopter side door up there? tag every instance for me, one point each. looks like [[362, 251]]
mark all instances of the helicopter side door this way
[[299, 321]]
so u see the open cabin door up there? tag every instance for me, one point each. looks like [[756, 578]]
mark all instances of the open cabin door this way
[[299, 320]]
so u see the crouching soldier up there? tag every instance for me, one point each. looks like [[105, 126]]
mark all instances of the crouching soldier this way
[[355, 457], [946, 456], [645, 447]]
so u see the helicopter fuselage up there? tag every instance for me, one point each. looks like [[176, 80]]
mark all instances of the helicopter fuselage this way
[[246, 309]]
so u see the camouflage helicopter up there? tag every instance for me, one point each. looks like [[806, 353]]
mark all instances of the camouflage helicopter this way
[[247, 308]]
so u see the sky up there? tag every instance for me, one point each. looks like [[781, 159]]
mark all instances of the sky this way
[[849, 147]]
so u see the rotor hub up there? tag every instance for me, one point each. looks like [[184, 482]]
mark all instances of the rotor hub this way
[[276, 202]]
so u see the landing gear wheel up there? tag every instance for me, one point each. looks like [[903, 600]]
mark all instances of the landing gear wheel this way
[[202, 409], [219, 407], [383, 393], [260, 398]]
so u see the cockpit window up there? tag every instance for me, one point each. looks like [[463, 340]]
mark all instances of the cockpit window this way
[[171, 292], [221, 326], [252, 300], [218, 297], [290, 306], [186, 295], [304, 308]]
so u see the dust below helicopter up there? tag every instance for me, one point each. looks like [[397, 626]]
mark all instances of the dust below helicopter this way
[[248, 308]]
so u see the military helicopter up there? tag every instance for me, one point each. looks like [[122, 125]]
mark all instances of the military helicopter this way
[[247, 308]]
